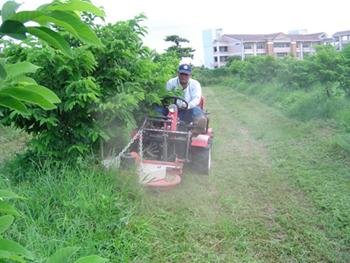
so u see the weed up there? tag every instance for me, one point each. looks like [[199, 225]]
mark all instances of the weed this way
[[67, 206]]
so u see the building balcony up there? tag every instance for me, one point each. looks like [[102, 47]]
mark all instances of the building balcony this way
[[219, 64], [218, 53]]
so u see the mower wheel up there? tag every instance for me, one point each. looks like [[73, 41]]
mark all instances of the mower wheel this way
[[201, 159]]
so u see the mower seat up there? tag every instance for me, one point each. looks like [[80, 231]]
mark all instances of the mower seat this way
[[201, 103]]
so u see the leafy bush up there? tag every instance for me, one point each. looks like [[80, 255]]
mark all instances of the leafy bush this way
[[211, 76], [101, 89], [237, 67], [15, 88], [232, 59], [260, 69], [295, 74], [344, 70], [325, 66]]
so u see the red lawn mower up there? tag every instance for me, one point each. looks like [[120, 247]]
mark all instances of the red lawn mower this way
[[167, 143]]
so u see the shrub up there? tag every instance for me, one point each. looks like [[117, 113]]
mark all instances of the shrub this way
[[260, 69], [101, 89], [295, 74], [211, 76]]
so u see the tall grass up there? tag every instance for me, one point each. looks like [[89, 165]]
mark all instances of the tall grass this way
[[209, 77], [303, 105], [84, 206]]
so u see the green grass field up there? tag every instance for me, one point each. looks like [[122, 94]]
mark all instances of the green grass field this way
[[278, 192]]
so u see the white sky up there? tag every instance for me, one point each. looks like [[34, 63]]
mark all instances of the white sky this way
[[188, 18]]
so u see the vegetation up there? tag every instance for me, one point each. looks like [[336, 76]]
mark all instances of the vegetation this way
[[15, 88], [279, 189], [180, 52], [315, 88], [101, 89], [278, 192], [70, 207]]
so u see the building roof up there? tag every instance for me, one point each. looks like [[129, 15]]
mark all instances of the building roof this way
[[309, 37], [342, 33], [252, 37], [264, 37]]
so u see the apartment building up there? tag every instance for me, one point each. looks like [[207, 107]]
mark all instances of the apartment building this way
[[218, 47], [340, 39]]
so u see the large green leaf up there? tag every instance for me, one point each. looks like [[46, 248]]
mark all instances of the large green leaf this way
[[12, 103], [74, 24], [77, 5], [43, 7], [14, 29], [91, 259], [8, 194], [3, 61], [4, 254], [5, 222], [25, 16], [18, 69], [16, 258], [62, 255], [45, 92], [52, 38], [58, 20], [30, 96], [13, 247], [23, 80], [8, 9], [8, 209], [3, 74]]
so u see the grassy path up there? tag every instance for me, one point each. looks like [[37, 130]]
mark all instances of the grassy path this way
[[275, 194], [279, 191]]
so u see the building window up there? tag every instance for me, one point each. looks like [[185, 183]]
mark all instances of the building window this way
[[306, 45], [281, 45], [260, 46], [281, 55], [215, 49], [223, 49], [248, 46], [223, 59], [215, 59]]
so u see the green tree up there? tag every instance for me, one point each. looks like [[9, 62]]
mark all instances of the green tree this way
[[325, 65], [344, 70], [102, 88], [181, 52], [260, 68], [231, 59], [295, 74], [237, 67]]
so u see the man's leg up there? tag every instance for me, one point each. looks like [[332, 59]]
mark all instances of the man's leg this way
[[199, 120], [161, 110], [185, 115], [194, 115]]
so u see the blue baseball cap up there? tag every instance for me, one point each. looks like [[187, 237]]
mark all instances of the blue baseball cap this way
[[185, 68]]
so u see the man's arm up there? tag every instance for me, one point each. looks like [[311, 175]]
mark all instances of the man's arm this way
[[196, 94], [171, 84]]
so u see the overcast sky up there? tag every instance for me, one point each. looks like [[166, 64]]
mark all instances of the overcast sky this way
[[189, 18]]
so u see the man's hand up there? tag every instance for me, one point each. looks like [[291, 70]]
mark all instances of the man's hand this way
[[184, 106]]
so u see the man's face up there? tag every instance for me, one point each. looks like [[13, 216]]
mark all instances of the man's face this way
[[183, 77]]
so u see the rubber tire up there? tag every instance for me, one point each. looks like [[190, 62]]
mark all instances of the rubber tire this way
[[201, 160]]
